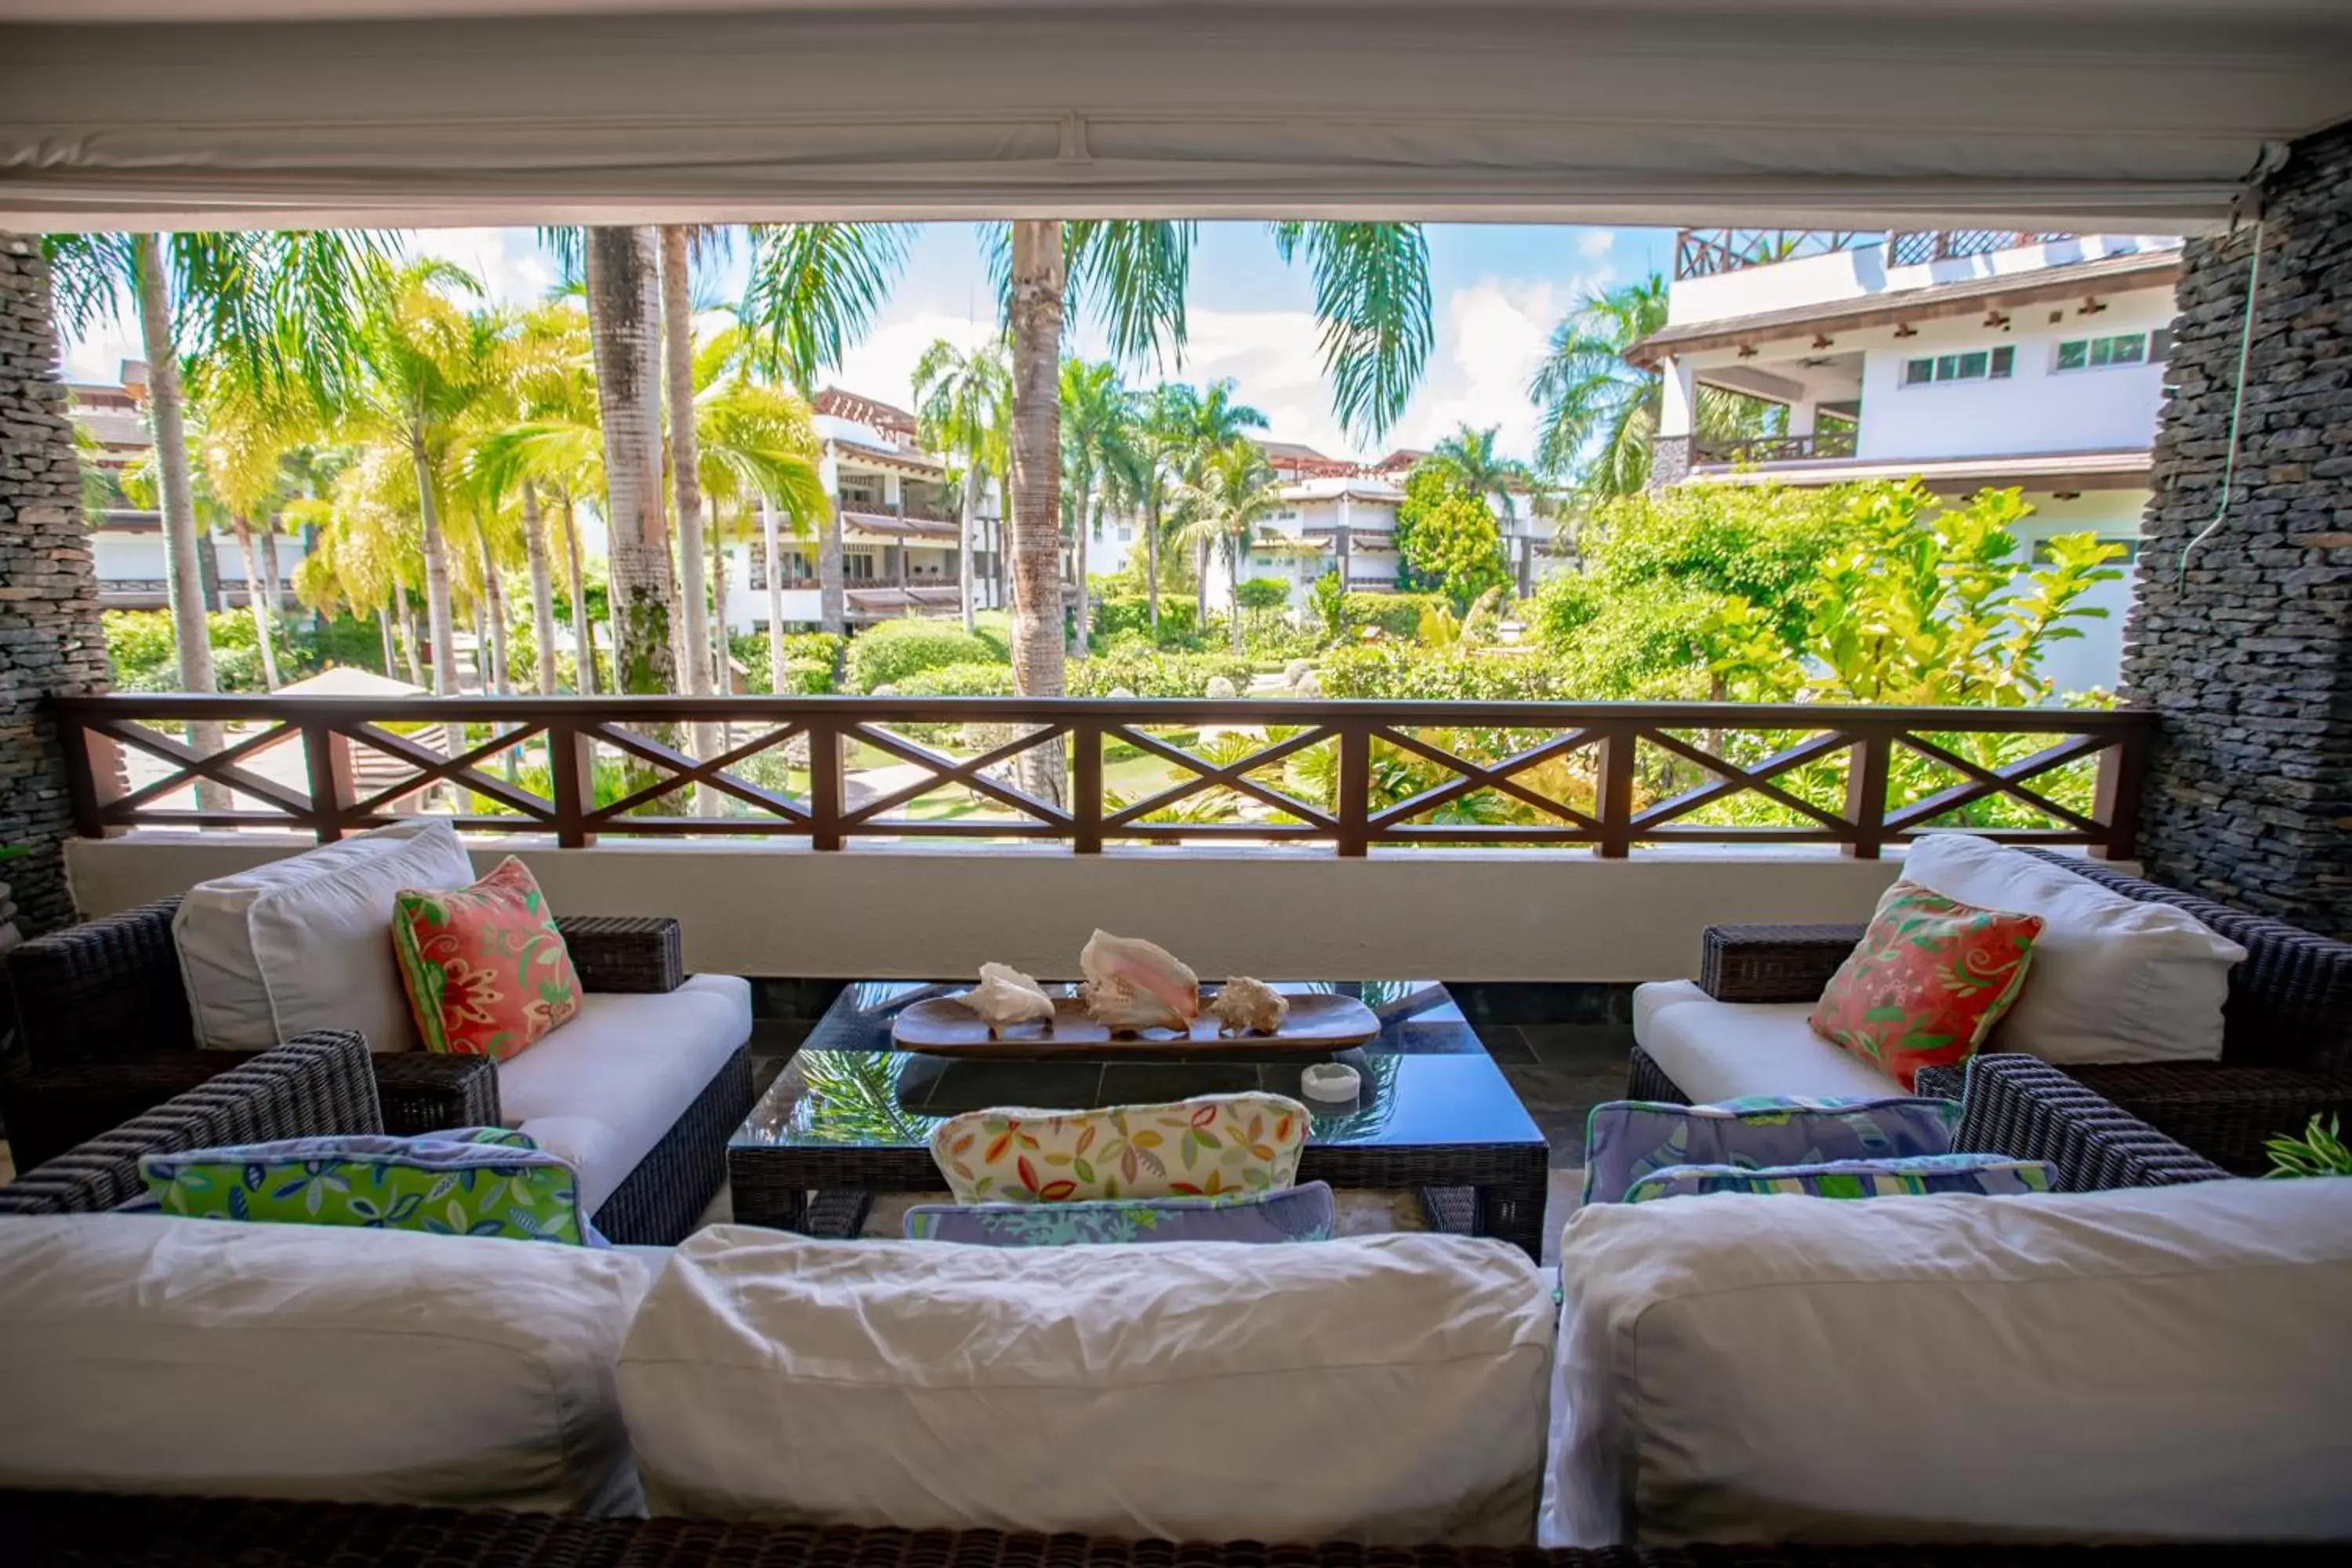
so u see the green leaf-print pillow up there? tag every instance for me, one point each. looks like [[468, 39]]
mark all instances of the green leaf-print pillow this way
[[436, 1184]]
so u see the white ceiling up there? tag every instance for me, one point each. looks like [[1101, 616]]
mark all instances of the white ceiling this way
[[2135, 115]]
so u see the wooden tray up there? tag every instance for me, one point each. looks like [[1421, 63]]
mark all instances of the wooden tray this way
[[943, 1025]]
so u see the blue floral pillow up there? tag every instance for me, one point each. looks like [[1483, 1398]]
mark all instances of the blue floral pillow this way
[[470, 1180], [1295, 1214], [1985, 1174], [1628, 1138]]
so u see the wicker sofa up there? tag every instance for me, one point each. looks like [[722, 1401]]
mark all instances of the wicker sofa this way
[[2286, 1048], [321, 1083], [103, 1035]]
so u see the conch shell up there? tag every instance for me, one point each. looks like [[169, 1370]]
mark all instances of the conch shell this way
[[1005, 996], [1132, 985], [1247, 1007]]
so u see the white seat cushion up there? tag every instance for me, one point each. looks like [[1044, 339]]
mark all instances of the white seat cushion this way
[[305, 942], [2163, 1362], [1723, 1050], [140, 1353], [602, 1089], [2111, 979], [1387, 1388]]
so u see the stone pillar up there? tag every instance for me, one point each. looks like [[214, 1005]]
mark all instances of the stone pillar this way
[[1670, 448], [51, 640], [2248, 658]]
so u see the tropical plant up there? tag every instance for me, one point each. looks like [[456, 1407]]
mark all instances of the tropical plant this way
[[1104, 463], [2320, 1151], [885, 660], [1468, 461], [622, 268], [1447, 538], [1235, 490], [964, 406], [1601, 412]]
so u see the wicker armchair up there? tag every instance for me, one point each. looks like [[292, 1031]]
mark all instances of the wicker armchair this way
[[103, 1026], [311, 1086], [2286, 1047]]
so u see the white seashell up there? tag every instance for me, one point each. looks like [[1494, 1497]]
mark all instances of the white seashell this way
[[1133, 985], [1005, 997], [1247, 1007]]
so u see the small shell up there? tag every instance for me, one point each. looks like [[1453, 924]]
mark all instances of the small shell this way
[[1005, 997], [1133, 986], [1247, 1007]]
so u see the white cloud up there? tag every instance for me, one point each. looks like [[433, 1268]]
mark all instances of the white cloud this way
[[508, 262], [883, 365], [1596, 241]]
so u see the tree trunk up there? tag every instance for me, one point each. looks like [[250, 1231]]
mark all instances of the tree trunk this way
[[1088, 524], [1201, 586], [718, 656], [624, 317], [1152, 555], [184, 567], [1039, 280], [542, 588], [966, 531], [583, 628], [775, 557], [686, 488], [1233, 555], [832, 600], [256, 591], [440, 627], [270, 574], [408, 637], [494, 606], [384, 630]]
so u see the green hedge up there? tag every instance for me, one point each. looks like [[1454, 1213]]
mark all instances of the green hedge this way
[[1398, 614], [959, 680], [887, 656], [1395, 673], [1154, 674]]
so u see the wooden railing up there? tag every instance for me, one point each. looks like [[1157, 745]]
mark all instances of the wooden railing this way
[[1347, 774], [1828, 443]]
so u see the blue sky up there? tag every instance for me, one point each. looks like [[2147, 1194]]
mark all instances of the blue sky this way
[[1498, 292]]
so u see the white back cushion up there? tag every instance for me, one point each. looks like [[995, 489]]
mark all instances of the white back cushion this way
[[2163, 1362], [1385, 1388], [142, 1353], [2111, 979], [305, 942]]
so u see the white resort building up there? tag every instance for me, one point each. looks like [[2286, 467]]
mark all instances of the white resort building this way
[[1967, 360]]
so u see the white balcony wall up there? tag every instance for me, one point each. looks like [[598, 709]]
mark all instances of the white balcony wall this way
[[926, 913], [1864, 272], [2037, 408], [128, 556]]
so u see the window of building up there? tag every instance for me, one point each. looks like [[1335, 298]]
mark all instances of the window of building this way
[[1976, 365], [857, 566], [2119, 348]]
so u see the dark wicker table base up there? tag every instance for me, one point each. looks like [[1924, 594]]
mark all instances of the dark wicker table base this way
[[1495, 1190]]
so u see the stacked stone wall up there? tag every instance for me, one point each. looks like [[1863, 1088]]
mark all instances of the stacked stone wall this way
[[51, 639], [2248, 657]]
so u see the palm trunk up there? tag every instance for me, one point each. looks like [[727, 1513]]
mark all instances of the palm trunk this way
[[408, 638], [494, 606], [832, 601], [1201, 586], [1086, 527], [718, 657], [966, 530], [624, 317], [583, 628], [1152, 553], [686, 488], [1234, 588], [775, 558], [184, 574], [439, 623], [1039, 281], [256, 590], [542, 588], [270, 574], [383, 631]]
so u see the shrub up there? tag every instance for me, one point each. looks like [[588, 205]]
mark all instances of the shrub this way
[[885, 656], [1398, 614], [1155, 674], [806, 678], [1263, 594], [1398, 673], [959, 680], [994, 628], [812, 661], [1113, 621], [145, 655]]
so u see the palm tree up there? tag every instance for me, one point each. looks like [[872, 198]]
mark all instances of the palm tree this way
[[624, 278], [1371, 297], [963, 405], [1102, 462], [758, 447], [1468, 460], [1600, 413], [425, 364], [1235, 489], [1216, 422], [243, 449], [813, 289], [270, 312]]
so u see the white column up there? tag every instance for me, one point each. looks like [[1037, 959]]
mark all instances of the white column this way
[[1676, 408], [1801, 417]]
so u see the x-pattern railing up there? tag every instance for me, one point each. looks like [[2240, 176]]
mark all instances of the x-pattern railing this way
[[1354, 775]]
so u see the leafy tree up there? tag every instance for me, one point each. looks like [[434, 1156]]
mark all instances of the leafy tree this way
[[1446, 538], [1601, 412], [963, 403], [1237, 490], [1103, 461], [1262, 593], [1468, 461]]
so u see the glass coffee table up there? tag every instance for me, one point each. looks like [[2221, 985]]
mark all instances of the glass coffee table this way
[[848, 1116]]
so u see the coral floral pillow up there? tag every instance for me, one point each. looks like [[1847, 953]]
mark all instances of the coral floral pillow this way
[[1928, 982], [487, 972]]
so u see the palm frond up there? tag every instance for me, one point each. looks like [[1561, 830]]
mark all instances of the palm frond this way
[[1371, 298], [1133, 275], [814, 290]]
